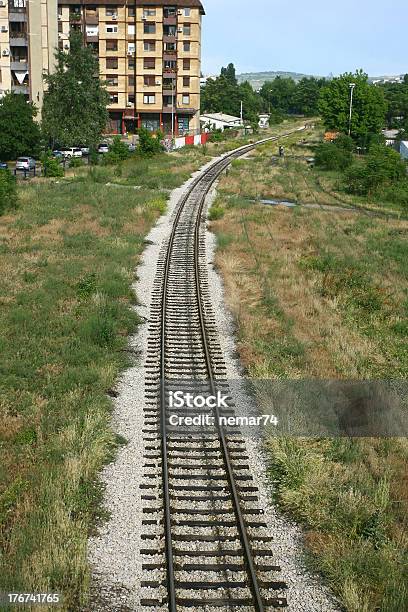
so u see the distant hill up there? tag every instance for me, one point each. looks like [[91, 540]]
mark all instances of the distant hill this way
[[257, 79]]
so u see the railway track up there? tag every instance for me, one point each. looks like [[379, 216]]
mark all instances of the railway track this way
[[206, 543]]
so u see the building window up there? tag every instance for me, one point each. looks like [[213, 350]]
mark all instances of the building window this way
[[112, 63], [111, 45], [186, 64], [187, 29], [111, 28], [131, 63], [149, 99], [131, 30], [186, 46], [113, 98], [111, 80], [186, 99], [149, 28], [112, 12], [132, 11], [149, 12], [149, 45], [131, 98], [149, 63], [187, 12], [150, 81], [131, 80], [186, 81], [131, 49]]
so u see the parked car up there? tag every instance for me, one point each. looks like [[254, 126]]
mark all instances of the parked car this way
[[58, 154], [25, 163], [84, 150], [3, 166], [72, 152], [103, 148]]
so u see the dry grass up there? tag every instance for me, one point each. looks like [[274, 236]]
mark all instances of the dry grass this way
[[322, 295]]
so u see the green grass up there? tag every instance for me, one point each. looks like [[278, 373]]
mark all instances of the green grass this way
[[322, 295], [68, 256]]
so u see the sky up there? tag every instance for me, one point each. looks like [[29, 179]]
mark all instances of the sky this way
[[308, 36]]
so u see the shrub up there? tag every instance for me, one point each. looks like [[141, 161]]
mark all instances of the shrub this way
[[329, 156], [216, 212], [51, 166], [76, 162], [119, 149], [149, 144], [382, 168], [216, 136], [93, 156], [8, 191]]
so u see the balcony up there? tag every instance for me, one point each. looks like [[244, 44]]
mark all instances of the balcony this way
[[20, 89], [170, 21], [19, 64], [18, 38], [91, 17], [17, 10]]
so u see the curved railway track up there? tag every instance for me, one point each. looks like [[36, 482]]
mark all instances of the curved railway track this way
[[207, 541]]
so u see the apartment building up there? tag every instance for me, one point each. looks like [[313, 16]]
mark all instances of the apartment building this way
[[28, 40], [149, 55]]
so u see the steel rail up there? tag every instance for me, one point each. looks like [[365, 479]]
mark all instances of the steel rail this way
[[218, 166]]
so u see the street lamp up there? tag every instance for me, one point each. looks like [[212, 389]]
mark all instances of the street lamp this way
[[352, 86]]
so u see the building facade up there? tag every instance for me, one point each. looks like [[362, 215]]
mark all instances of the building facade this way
[[28, 40], [149, 55]]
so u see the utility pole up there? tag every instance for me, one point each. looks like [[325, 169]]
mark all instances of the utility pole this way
[[242, 113], [352, 86]]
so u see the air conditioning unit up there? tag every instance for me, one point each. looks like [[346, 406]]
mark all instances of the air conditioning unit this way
[[114, 17], [6, 52], [4, 28], [66, 47], [59, 17], [158, 82], [131, 53], [129, 104], [2, 3], [180, 30], [180, 12], [144, 18]]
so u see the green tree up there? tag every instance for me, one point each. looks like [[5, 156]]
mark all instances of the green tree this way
[[306, 96], [149, 144], [369, 105], [74, 109], [278, 95], [19, 132]]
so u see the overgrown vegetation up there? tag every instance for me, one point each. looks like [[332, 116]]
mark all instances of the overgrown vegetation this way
[[68, 256], [8, 191], [320, 293]]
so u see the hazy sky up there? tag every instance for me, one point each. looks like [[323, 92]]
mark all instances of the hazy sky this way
[[310, 36]]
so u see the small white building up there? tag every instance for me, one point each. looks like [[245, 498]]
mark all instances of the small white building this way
[[264, 121], [404, 149], [390, 137], [219, 121]]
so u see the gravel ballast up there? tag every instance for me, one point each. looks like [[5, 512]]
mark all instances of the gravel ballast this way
[[114, 553]]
